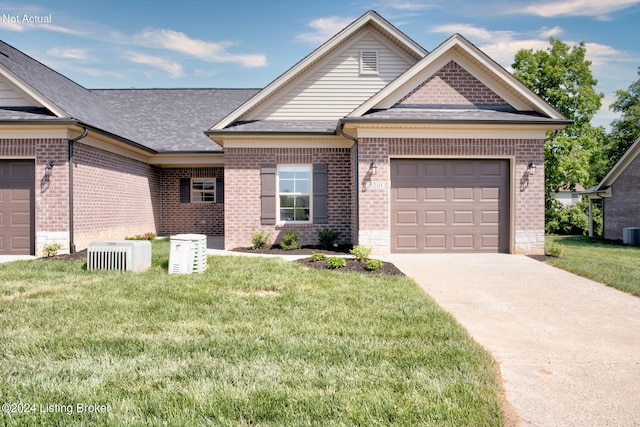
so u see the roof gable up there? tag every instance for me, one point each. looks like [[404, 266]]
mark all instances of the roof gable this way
[[497, 83], [278, 100], [631, 155]]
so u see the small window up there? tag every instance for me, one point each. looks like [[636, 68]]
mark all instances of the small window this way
[[203, 190], [294, 193], [369, 62]]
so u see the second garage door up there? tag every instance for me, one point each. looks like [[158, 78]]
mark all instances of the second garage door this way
[[449, 205], [17, 182]]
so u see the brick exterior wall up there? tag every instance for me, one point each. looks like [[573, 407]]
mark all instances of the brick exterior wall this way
[[452, 85], [622, 209], [242, 192], [199, 218], [528, 190], [114, 196]]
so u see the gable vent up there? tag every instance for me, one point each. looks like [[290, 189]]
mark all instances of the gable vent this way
[[369, 62]]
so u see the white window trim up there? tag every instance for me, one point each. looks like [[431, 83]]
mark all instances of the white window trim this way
[[369, 70], [193, 192], [310, 193]]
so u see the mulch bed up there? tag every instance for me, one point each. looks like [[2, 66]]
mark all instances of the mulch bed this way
[[353, 265], [67, 257]]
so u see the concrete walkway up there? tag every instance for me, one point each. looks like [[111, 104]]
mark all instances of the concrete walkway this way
[[568, 347]]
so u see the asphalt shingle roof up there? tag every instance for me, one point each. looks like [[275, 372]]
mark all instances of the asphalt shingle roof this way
[[174, 119]]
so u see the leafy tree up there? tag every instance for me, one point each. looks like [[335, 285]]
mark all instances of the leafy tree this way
[[626, 129]]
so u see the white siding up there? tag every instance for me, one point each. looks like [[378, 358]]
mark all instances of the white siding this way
[[334, 86], [11, 96]]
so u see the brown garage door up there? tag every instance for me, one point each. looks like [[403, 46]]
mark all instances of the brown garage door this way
[[17, 182], [446, 205]]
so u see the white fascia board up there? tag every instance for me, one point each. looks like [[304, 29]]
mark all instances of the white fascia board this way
[[187, 159], [313, 57], [29, 91], [462, 131]]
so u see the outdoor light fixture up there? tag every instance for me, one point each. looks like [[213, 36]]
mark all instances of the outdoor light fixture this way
[[373, 168], [532, 168], [48, 168]]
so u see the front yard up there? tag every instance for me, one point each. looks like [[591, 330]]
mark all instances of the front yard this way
[[251, 341], [615, 265]]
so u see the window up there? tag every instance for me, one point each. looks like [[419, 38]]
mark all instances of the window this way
[[294, 193], [203, 190], [369, 62]]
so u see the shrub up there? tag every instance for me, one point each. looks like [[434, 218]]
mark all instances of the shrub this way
[[556, 250], [374, 264], [328, 238], [572, 219], [336, 262], [145, 236], [51, 249], [290, 241], [315, 257], [260, 239], [360, 252]]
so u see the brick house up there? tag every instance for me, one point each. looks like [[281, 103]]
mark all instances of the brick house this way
[[399, 149], [619, 195]]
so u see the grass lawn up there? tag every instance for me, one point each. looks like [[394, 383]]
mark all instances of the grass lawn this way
[[249, 342], [616, 265]]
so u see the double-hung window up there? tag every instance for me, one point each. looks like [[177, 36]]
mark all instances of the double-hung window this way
[[203, 190], [294, 193]]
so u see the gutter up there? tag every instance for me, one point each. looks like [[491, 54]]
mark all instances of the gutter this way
[[72, 245], [340, 131]]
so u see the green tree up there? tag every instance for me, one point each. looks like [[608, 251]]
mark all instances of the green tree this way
[[626, 129], [561, 75]]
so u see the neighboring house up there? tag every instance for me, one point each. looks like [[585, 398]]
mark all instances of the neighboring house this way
[[569, 197], [619, 193], [370, 135]]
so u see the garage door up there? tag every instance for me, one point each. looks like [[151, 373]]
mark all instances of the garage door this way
[[17, 182], [446, 205]]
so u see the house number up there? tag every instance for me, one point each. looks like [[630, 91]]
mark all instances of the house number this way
[[377, 185]]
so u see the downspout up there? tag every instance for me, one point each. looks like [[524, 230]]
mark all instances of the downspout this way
[[72, 245], [340, 131]]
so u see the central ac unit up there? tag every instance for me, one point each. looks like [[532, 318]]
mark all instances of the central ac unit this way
[[123, 255]]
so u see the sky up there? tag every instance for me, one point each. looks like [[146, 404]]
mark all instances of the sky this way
[[247, 44]]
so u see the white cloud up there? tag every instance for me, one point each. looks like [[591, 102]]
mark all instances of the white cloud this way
[[172, 68], [550, 32], [598, 8], [324, 29], [201, 49], [70, 53], [472, 32]]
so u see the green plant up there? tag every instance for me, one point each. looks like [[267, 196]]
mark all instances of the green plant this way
[[51, 249], [290, 241], [336, 262], [556, 250], [360, 252], [315, 257], [328, 238], [374, 264], [260, 239], [145, 236]]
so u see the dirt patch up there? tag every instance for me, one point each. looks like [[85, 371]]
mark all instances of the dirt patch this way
[[67, 257]]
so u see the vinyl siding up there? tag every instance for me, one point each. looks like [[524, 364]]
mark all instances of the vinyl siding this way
[[334, 87], [10, 97]]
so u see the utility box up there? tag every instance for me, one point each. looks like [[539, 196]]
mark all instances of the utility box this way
[[122, 255], [631, 236], [188, 254]]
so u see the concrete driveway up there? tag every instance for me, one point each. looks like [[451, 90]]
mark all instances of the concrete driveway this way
[[568, 347]]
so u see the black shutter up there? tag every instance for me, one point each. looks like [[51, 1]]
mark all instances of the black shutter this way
[[219, 190], [185, 190], [320, 194], [268, 194]]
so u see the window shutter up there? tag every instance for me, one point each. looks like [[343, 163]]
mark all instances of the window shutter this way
[[219, 190], [268, 194], [185, 190], [320, 194]]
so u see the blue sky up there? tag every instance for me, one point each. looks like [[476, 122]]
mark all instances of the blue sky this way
[[193, 43]]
